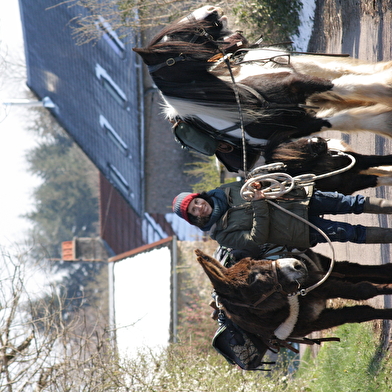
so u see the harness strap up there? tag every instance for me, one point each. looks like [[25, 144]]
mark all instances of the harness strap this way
[[273, 105], [168, 63], [276, 343], [313, 341]]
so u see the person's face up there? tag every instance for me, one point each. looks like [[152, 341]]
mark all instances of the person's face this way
[[199, 207]]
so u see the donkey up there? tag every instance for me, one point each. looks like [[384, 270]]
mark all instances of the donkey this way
[[207, 73], [260, 295]]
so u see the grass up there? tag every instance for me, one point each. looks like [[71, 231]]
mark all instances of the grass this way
[[354, 364]]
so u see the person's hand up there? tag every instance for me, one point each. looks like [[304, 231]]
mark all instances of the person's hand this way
[[256, 185], [258, 195]]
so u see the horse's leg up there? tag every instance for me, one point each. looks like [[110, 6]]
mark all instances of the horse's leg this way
[[375, 118], [364, 162], [371, 273], [384, 181], [330, 318], [336, 288], [348, 183], [376, 88], [333, 67], [384, 171], [383, 175]]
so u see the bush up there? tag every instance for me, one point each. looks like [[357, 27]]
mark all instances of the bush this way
[[276, 21]]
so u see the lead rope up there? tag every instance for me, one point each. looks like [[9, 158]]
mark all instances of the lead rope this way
[[226, 59], [282, 183], [303, 292]]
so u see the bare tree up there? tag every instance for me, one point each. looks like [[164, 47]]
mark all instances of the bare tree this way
[[125, 16], [40, 349]]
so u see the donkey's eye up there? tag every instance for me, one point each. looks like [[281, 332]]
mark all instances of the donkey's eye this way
[[254, 278]]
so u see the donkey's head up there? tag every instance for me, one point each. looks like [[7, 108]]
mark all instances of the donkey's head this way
[[249, 281]]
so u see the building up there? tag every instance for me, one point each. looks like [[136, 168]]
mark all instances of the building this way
[[101, 95]]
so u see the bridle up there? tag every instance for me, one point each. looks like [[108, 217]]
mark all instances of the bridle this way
[[199, 32], [276, 288]]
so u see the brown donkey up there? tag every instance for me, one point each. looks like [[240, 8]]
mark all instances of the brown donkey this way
[[263, 296]]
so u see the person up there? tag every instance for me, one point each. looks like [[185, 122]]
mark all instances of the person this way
[[239, 224]]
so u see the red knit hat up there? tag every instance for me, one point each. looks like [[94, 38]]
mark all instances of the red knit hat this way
[[181, 203]]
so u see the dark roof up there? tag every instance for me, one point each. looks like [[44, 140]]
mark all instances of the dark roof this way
[[95, 88], [100, 91]]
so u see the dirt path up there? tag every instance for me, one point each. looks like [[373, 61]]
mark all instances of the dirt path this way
[[360, 28], [363, 30]]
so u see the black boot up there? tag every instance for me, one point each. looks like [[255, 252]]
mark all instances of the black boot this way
[[375, 205], [378, 235]]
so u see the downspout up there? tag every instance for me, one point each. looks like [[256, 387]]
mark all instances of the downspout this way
[[139, 68], [112, 311], [174, 290]]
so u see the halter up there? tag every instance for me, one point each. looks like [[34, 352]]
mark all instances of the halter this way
[[199, 32]]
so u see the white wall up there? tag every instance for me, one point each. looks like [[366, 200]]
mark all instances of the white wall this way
[[142, 299]]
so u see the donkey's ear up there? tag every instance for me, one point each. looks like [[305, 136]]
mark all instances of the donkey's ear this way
[[215, 271]]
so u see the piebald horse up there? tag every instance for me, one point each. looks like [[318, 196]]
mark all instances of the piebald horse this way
[[206, 72]]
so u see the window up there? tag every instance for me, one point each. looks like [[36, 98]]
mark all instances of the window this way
[[119, 180], [108, 83], [111, 37], [114, 136]]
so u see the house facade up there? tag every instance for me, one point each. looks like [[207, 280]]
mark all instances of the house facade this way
[[100, 93]]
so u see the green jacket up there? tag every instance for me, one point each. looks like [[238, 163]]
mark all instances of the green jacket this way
[[250, 225]]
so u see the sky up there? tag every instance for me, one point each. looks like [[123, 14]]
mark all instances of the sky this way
[[306, 16], [17, 183]]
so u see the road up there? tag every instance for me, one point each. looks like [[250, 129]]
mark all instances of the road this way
[[363, 30]]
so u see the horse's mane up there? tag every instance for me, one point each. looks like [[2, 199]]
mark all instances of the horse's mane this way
[[175, 44]]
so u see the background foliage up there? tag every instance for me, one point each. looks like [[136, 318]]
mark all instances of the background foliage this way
[[66, 202], [277, 21], [65, 206]]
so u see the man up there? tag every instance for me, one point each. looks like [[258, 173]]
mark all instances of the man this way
[[250, 225]]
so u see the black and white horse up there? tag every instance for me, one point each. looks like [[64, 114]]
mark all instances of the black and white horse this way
[[275, 89]]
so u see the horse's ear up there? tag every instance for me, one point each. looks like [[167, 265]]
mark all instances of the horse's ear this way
[[215, 271], [145, 54]]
